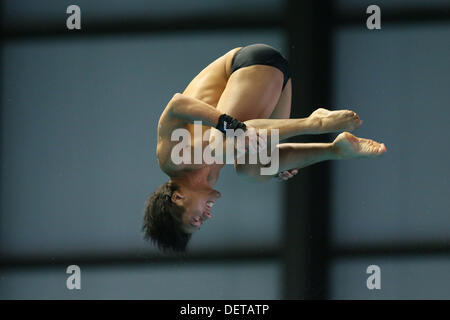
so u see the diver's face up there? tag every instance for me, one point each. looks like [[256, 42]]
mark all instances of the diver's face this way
[[197, 205]]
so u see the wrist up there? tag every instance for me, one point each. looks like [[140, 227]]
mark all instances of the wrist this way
[[228, 122]]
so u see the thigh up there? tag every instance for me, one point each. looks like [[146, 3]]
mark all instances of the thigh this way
[[282, 109], [251, 92]]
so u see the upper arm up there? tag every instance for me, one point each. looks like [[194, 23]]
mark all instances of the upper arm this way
[[170, 120], [189, 109]]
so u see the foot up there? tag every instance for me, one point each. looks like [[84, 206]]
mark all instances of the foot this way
[[347, 146], [339, 120]]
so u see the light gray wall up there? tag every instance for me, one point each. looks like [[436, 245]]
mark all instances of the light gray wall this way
[[397, 80], [401, 278], [204, 281], [79, 135], [79, 131]]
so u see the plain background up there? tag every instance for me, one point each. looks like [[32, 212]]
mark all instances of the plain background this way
[[78, 158]]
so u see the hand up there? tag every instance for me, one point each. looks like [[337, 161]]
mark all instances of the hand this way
[[254, 142], [286, 175]]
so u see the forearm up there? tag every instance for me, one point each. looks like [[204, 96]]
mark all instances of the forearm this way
[[191, 109], [288, 127]]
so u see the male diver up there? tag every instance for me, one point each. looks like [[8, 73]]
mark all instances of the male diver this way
[[246, 88]]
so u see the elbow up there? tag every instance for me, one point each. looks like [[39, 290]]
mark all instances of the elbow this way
[[175, 103], [177, 97]]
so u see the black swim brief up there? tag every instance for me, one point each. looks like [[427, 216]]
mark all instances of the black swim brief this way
[[261, 54]]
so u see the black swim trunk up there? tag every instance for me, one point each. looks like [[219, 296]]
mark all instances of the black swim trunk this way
[[261, 54]]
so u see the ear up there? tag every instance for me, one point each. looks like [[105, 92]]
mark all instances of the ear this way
[[177, 197]]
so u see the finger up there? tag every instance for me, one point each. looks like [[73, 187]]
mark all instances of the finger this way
[[294, 172], [262, 142], [282, 174], [255, 141], [253, 147]]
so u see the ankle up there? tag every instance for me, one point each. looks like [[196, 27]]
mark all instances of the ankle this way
[[334, 152], [315, 124]]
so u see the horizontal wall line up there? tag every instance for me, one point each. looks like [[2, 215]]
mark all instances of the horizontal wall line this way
[[230, 255], [394, 250], [204, 23], [130, 258]]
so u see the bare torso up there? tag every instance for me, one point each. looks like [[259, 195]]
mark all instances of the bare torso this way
[[208, 87]]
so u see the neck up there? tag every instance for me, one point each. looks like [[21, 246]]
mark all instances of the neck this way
[[197, 179]]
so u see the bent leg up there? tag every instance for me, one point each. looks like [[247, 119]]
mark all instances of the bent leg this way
[[283, 108], [291, 155], [300, 155], [251, 92]]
